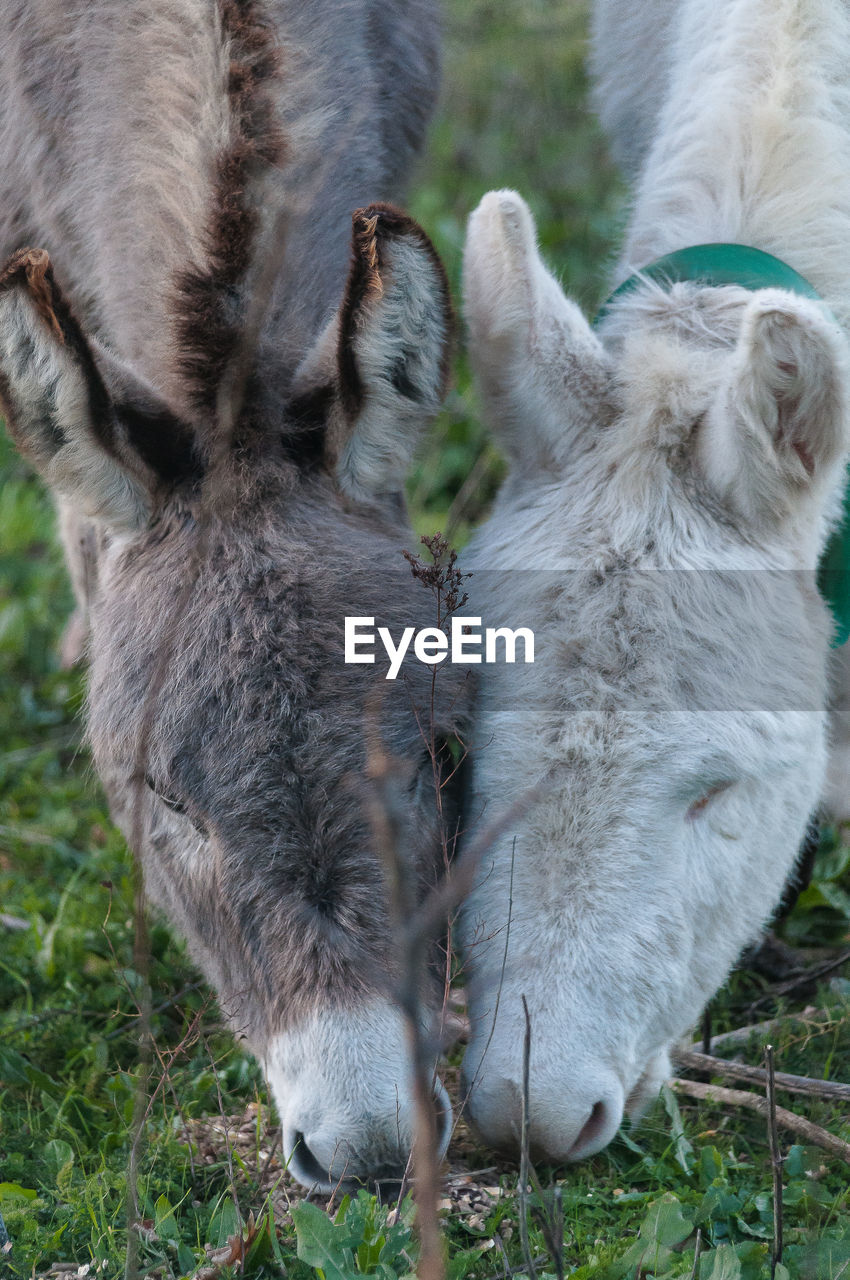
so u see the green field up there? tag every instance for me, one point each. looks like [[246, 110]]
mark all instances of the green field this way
[[514, 114]]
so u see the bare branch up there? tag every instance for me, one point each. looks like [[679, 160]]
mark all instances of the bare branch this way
[[775, 1159], [832, 1089], [523, 1149], [811, 1133], [384, 805]]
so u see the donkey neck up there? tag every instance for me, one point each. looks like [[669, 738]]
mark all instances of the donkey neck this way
[[752, 144]]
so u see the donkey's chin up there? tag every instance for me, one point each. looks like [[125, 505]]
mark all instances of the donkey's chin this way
[[647, 1088], [343, 1085]]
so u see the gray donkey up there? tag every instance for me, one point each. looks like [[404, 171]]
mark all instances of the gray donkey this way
[[222, 518]]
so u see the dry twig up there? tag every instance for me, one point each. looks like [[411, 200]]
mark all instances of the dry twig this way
[[834, 1090], [743, 1035], [523, 1150], [775, 1159], [811, 1133], [411, 947]]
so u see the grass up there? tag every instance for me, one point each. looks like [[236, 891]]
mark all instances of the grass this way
[[514, 114]]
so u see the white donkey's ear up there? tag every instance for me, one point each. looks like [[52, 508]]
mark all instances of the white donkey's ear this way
[[393, 350], [95, 433], [779, 430], [541, 370]]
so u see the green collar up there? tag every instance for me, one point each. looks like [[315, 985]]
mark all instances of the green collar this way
[[722, 264], [716, 264]]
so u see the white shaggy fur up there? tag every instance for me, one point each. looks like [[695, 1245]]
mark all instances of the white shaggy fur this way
[[320, 1070], [673, 481]]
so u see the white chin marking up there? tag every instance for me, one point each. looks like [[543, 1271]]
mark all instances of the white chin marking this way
[[342, 1083]]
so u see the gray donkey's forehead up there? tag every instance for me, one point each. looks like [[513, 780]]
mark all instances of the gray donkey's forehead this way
[[255, 731], [255, 682]]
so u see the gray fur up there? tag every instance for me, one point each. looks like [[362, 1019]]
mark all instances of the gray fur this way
[[224, 723]]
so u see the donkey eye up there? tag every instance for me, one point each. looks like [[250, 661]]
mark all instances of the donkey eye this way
[[701, 804], [170, 801]]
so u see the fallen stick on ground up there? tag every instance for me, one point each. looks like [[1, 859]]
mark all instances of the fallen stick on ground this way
[[807, 977], [757, 1075], [743, 1035], [811, 1133]]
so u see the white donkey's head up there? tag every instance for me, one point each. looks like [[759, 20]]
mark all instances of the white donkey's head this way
[[673, 478]]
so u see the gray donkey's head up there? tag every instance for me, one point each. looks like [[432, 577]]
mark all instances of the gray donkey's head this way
[[220, 564]]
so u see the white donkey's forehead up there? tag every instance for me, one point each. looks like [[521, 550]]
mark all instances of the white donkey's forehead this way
[[708, 317], [677, 750], [670, 350], [648, 642]]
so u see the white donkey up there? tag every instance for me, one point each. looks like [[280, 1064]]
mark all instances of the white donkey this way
[[675, 474]]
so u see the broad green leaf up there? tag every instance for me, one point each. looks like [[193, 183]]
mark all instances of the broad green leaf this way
[[344, 1206], [166, 1223], [710, 1166], [717, 1204], [460, 1264], [683, 1148], [14, 1193], [318, 1242], [667, 1222], [186, 1259], [224, 1223], [721, 1264]]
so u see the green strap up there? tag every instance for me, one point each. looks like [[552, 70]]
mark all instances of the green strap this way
[[716, 264], [723, 264]]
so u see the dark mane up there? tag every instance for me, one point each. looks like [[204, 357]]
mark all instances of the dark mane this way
[[210, 302]]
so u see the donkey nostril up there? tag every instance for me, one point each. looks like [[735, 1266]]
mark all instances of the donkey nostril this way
[[344, 1167], [303, 1163], [365, 1154], [594, 1125], [595, 1133]]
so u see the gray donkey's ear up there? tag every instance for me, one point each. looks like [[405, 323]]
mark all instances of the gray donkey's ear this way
[[393, 350], [95, 433]]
